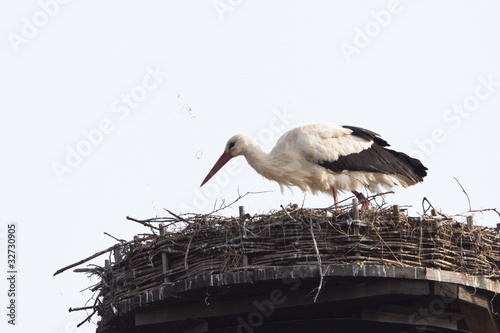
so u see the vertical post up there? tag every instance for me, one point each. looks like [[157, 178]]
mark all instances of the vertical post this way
[[396, 219], [395, 213], [433, 212], [242, 218], [355, 211], [117, 254], [164, 258], [470, 221], [420, 246], [242, 211], [355, 217]]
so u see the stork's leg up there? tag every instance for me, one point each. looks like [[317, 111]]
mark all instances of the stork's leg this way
[[335, 198], [362, 199]]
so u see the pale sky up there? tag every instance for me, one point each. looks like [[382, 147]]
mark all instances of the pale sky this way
[[120, 108]]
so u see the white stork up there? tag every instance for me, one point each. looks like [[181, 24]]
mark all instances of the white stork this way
[[327, 158]]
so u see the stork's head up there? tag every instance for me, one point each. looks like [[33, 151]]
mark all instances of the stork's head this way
[[237, 145]]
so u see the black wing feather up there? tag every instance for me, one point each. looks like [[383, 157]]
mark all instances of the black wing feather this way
[[377, 159], [367, 135]]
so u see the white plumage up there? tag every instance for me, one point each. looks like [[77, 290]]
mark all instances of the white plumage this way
[[327, 158]]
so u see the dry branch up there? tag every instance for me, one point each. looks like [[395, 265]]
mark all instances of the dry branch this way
[[468, 199], [95, 255], [144, 223]]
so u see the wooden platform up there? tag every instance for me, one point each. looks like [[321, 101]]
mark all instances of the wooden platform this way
[[281, 299], [294, 269]]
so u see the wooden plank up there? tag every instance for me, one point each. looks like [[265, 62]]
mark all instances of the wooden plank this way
[[477, 319], [284, 297]]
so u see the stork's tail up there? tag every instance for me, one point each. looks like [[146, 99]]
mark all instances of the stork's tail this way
[[414, 170]]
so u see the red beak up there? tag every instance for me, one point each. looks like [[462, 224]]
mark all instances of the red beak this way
[[223, 159]]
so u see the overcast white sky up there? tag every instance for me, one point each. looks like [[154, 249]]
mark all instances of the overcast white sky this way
[[120, 108]]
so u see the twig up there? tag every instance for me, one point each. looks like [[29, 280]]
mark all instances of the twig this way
[[93, 256], [87, 319], [367, 198], [94, 287], [288, 214], [117, 239], [89, 270], [319, 261], [144, 223], [224, 206], [89, 258], [186, 256], [477, 211], [379, 194], [81, 308], [375, 196], [464, 265], [177, 216], [485, 210], [468, 199], [491, 305], [431, 206]]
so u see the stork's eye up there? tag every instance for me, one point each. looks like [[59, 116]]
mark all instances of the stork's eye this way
[[231, 145]]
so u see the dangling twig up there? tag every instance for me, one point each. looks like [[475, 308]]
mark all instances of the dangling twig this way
[[186, 266], [318, 256], [87, 319]]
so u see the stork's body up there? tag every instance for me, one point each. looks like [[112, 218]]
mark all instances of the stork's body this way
[[327, 158]]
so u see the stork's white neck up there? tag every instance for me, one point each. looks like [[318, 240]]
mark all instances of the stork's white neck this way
[[279, 165], [276, 166], [263, 163], [272, 166]]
